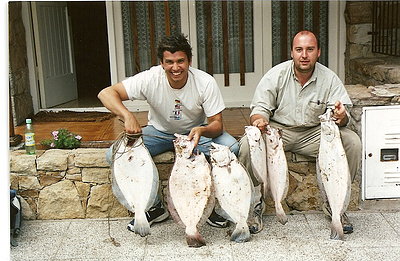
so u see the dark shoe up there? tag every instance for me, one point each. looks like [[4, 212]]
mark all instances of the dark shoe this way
[[216, 220], [347, 226], [258, 212], [155, 214]]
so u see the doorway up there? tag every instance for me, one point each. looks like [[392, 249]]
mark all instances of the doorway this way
[[88, 25]]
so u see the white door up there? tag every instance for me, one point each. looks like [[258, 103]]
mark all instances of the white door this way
[[56, 69], [381, 144]]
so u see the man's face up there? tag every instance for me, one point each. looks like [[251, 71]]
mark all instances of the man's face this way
[[176, 66], [305, 52]]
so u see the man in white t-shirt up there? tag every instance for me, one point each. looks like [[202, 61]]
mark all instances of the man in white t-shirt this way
[[182, 100]]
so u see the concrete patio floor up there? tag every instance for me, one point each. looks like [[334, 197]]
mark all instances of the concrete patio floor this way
[[376, 236]]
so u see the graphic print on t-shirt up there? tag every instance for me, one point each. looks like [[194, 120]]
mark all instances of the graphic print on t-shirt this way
[[177, 112]]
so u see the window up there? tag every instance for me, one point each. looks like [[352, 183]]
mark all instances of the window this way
[[144, 24], [290, 17], [225, 36]]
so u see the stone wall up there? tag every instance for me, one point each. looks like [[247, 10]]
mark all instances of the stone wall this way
[[59, 184], [21, 99], [362, 65], [69, 184]]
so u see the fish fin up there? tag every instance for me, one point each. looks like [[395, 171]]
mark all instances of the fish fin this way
[[265, 190], [336, 228], [280, 213], [241, 233], [195, 240], [141, 226]]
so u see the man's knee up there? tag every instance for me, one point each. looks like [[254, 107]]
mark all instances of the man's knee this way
[[351, 141]]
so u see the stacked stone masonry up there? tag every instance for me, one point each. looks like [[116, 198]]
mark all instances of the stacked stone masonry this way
[[64, 184]]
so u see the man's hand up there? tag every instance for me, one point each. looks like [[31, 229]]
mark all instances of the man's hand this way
[[195, 135], [340, 114], [260, 122], [131, 124]]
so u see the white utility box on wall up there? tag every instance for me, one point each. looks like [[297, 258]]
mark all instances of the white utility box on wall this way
[[381, 148]]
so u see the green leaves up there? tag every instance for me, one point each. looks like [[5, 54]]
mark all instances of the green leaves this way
[[63, 139]]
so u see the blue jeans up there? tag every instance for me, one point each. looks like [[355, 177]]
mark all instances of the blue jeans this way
[[158, 142]]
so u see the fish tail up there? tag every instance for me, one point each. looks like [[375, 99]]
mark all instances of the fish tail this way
[[141, 226], [195, 240], [241, 233], [280, 213], [336, 228]]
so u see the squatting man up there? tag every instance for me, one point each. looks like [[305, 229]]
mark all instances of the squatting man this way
[[291, 96], [182, 100]]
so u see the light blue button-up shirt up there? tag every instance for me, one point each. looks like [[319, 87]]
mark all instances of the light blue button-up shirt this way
[[280, 97]]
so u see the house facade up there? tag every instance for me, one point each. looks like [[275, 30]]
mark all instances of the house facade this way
[[74, 49]]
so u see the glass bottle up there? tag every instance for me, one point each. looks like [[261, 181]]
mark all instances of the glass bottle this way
[[30, 145]]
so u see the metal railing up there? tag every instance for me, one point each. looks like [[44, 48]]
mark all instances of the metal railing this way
[[386, 27]]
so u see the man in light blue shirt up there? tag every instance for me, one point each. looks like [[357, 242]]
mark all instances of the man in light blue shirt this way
[[291, 96]]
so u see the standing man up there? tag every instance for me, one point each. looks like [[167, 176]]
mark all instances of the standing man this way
[[182, 100], [291, 96]]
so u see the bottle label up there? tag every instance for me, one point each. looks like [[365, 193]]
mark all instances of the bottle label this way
[[29, 139]]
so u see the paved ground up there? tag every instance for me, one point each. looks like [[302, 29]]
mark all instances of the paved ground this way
[[304, 237]]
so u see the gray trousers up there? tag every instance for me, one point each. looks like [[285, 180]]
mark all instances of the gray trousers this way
[[305, 141]]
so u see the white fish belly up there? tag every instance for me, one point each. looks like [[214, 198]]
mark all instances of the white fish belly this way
[[190, 188], [258, 155], [136, 176], [277, 173], [233, 190], [334, 174]]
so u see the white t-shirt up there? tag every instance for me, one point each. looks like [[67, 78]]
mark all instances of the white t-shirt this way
[[176, 110]]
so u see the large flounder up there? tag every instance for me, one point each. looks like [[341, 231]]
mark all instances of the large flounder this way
[[258, 156], [333, 172], [135, 180], [191, 199], [277, 171], [233, 189]]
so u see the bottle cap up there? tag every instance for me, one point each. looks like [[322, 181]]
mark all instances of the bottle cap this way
[[28, 121]]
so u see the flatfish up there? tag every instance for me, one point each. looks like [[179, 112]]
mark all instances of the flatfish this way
[[258, 155], [233, 189], [333, 172], [191, 199], [277, 171], [135, 180]]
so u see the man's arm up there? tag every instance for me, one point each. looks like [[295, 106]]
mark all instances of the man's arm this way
[[212, 130], [112, 98]]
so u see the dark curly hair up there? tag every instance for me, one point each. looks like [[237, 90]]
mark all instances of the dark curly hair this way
[[174, 43]]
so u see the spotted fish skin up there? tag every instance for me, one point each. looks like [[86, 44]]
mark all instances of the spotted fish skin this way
[[190, 190], [333, 172], [135, 181], [258, 156], [233, 189], [277, 171]]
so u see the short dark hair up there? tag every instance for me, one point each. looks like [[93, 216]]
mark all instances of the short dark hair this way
[[304, 32], [174, 43]]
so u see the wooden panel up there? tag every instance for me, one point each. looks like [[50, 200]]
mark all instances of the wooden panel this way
[[135, 37], [167, 19], [225, 42], [152, 33], [284, 31], [208, 15], [315, 14], [242, 58]]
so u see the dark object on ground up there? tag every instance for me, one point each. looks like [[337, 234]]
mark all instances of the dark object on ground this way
[[51, 116], [15, 217]]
